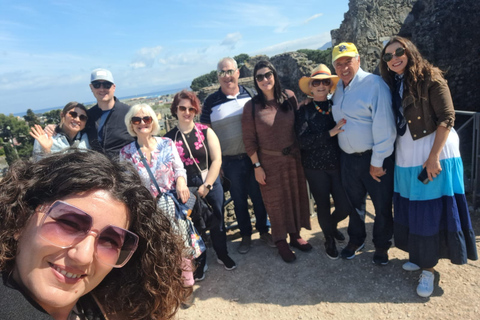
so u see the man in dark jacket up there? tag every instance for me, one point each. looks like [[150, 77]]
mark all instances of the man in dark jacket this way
[[105, 127]]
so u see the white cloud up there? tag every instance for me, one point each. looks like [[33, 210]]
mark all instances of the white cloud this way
[[313, 42], [231, 40], [315, 16], [146, 57]]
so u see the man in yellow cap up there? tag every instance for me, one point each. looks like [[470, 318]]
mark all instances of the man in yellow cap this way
[[367, 142]]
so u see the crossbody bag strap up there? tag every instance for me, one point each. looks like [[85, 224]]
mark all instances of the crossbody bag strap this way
[[190, 151], [147, 167]]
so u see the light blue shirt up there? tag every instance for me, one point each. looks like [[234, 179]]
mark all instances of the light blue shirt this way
[[366, 104], [60, 144]]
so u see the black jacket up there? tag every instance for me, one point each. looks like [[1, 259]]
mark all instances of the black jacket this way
[[115, 134]]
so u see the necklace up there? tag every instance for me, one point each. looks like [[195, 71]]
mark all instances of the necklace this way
[[323, 111]]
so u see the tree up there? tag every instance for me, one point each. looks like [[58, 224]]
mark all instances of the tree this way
[[52, 116], [203, 81], [319, 56], [15, 130], [31, 118], [241, 58]]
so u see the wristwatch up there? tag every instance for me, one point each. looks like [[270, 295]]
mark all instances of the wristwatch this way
[[208, 186], [256, 165]]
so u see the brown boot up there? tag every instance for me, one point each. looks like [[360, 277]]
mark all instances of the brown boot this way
[[284, 251]]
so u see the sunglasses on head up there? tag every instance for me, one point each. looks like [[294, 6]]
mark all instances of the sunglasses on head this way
[[105, 84], [398, 53], [64, 226], [267, 76], [317, 82], [75, 115], [184, 109], [225, 73], [138, 120]]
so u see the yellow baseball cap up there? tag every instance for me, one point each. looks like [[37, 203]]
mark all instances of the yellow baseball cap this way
[[344, 49]]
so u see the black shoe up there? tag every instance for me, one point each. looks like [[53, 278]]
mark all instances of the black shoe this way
[[199, 273], [338, 235], [331, 248], [380, 257], [245, 245], [227, 262], [350, 250]]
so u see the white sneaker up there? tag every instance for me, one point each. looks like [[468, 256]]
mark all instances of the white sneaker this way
[[410, 266], [425, 284]]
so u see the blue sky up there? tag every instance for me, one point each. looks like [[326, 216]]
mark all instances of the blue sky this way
[[48, 48]]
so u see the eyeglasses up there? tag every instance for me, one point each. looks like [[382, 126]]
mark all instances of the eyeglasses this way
[[184, 109], [138, 120], [267, 76], [224, 73], [75, 115], [105, 84], [317, 82], [398, 53], [65, 226]]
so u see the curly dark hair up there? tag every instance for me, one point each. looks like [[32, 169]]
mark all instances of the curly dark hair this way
[[185, 94], [417, 70], [278, 93], [150, 285]]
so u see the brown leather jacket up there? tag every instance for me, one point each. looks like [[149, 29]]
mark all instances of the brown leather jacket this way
[[434, 108]]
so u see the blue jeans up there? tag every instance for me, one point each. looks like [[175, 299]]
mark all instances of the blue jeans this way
[[357, 181], [239, 170], [215, 198]]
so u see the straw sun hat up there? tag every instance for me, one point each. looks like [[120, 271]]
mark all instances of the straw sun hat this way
[[320, 72]]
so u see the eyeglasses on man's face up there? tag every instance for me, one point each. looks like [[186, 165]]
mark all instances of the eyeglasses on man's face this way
[[104, 84], [225, 73]]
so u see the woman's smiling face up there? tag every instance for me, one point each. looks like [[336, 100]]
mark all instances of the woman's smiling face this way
[[55, 277], [397, 64]]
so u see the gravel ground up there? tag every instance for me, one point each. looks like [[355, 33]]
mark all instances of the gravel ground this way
[[315, 287]]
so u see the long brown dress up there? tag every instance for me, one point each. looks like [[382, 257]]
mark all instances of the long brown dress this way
[[268, 133]]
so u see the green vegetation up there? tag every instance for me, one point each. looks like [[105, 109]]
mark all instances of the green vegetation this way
[[319, 56], [52, 117], [13, 129], [241, 58], [205, 80]]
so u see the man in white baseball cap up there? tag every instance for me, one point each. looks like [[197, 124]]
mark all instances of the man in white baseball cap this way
[[105, 127]]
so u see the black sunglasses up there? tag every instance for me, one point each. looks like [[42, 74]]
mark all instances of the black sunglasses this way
[[398, 53], [74, 115], [317, 82], [184, 109], [138, 120], [267, 76], [105, 84]]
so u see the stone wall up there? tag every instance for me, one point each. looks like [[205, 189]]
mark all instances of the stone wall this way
[[446, 32]]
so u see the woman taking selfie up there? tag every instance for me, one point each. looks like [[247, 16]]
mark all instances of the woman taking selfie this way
[[432, 220], [83, 241]]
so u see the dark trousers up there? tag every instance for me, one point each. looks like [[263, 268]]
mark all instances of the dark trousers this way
[[215, 198], [356, 178], [322, 183], [239, 170]]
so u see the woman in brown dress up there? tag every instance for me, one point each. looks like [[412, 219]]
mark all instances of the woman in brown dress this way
[[269, 138]]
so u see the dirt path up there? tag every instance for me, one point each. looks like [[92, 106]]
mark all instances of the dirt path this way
[[315, 287]]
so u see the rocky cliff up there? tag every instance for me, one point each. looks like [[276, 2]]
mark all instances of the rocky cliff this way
[[446, 32]]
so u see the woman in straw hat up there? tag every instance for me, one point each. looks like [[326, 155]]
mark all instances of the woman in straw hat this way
[[269, 138], [317, 136]]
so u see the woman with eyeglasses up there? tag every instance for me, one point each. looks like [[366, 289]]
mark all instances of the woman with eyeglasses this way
[[157, 158], [317, 136], [67, 135], [82, 238], [269, 138], [431, 219], [199, 149]]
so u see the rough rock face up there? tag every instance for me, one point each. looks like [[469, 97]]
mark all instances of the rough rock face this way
[[368, 23], [446, 33]]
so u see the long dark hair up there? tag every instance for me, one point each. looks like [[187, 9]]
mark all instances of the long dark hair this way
[[278, 94], [150, 285], [417, 70]]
